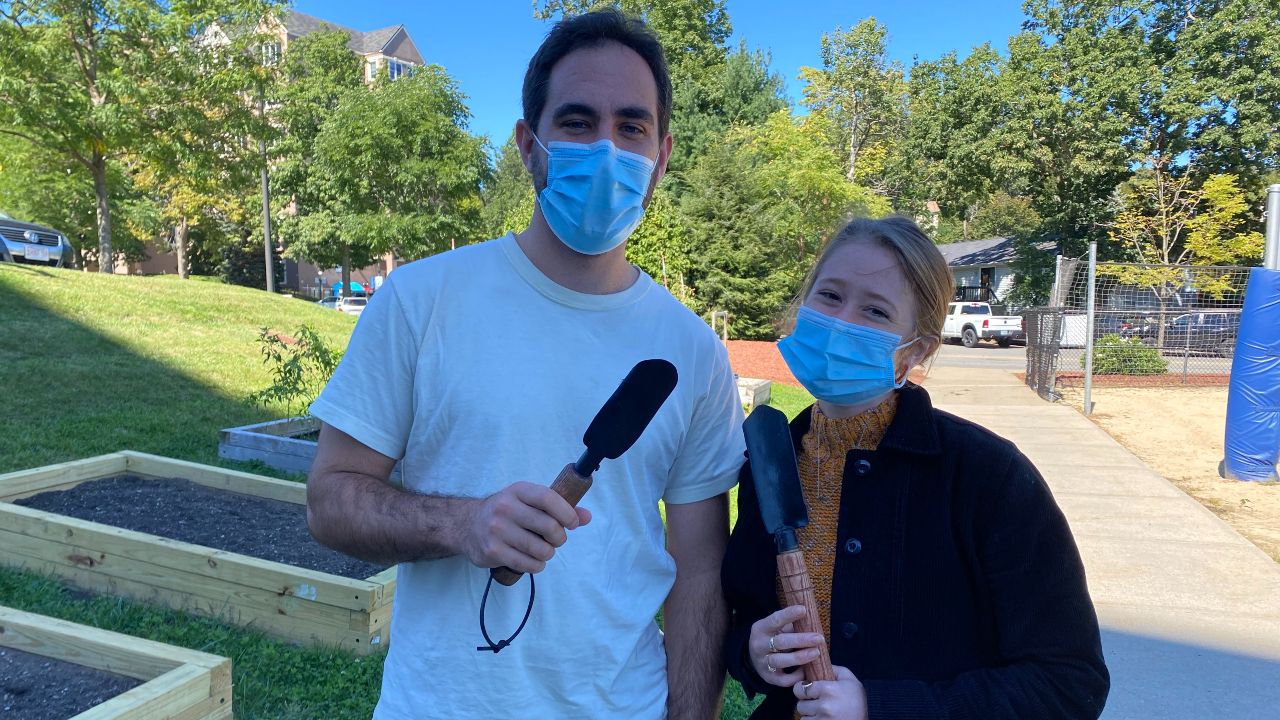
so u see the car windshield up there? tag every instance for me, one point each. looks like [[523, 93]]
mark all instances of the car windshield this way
[[5, 216], [975, 310], [354, 301]]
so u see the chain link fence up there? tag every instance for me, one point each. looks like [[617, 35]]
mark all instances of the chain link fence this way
[[1152, 325]]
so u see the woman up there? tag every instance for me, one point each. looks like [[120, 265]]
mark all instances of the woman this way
[[947, 579]]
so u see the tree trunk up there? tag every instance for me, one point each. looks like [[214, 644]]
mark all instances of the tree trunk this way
[[853, 155], [180, 241], [106, 260], [346, 270]]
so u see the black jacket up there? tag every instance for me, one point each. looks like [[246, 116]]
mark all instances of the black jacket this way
[[958, 591]]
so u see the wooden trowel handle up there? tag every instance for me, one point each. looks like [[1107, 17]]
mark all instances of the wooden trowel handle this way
[[569, 485], [798, 590]]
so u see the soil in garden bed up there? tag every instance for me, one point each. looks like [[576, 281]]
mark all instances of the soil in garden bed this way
[[182, 510], [34, 687]]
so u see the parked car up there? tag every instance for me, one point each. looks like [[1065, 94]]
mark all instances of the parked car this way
[[970, 322], [25, 242], [352, 305], [1203, 332], [330, 302]]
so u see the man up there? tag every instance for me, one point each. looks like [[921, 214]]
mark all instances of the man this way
[[481, 368]]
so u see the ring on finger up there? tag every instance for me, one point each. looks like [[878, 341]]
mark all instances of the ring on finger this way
[[769, 664], [804, 689], [772, 649]]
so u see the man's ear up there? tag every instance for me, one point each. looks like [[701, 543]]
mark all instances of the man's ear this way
[[664, 156], [525, 143]]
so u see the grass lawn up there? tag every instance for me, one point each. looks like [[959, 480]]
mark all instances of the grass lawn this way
[[94, 364]]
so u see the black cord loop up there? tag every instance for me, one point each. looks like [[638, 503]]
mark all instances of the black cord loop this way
[[501, 644]]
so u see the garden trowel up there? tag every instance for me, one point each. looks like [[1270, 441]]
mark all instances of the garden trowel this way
[[614, 430], [777, 482]]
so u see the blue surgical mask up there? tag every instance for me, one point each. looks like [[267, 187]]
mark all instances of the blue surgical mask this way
[[841, 362], [594, 198]]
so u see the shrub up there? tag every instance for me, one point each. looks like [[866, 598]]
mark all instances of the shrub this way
[[300, 368], [1114, 355]]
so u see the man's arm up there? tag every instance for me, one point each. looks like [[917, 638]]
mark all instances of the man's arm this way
[[353, 509], [694, 616]]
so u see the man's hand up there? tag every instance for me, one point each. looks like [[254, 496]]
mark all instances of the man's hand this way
[[352, 508], [520, 527]]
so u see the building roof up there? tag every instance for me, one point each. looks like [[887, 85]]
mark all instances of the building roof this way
[[992, 251], [364, 43]]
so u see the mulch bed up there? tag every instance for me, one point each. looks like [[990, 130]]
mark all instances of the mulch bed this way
[[1074, 379], [34, 687], [182, 510], [761, 359]]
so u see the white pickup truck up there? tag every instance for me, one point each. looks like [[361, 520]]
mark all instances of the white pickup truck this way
[[970, 322]]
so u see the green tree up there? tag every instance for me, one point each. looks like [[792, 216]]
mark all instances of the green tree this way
[[956, 110], [661, 246], [859, 90], [399, 173], [89, 80], [317, 70], [508, 194], [759, 207], [1003, 215], [1166, 223]]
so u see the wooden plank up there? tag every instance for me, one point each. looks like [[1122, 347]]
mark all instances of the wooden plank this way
[[155, 700], [222, 479], [22, 483], [278, 625], [178, 683], [182, 590], [177, 555], [279, 461], [290, 426]]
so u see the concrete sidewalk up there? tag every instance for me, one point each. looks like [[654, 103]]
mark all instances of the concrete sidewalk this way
[[1190, 610]]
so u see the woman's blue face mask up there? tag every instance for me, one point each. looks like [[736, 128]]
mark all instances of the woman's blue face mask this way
[[594, 198], [841, 362]]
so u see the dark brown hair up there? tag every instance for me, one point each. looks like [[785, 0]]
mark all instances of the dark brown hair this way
[[588, 31]]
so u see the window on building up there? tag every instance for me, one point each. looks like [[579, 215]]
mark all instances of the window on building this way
[[271, 53], [395, 68], [370, 70]]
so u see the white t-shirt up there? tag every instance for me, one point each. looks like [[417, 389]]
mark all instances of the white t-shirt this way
[[479, 371]]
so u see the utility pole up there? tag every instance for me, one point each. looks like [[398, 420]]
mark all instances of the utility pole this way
[[1271, 256], [266, 198]]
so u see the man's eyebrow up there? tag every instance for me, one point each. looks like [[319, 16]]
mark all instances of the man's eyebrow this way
[[575, 109], [636, 112]]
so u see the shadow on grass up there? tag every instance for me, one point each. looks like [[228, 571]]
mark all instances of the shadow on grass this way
[[71, 392]]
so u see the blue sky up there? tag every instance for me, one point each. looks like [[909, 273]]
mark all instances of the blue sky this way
[[485, 44]]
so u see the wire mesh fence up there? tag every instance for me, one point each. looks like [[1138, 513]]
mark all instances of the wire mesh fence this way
[[1149, 325]]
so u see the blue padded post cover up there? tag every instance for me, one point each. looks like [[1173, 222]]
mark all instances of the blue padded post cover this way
[[1253, 404]]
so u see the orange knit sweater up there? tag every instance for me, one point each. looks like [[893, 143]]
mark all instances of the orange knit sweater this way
[[823, 450]]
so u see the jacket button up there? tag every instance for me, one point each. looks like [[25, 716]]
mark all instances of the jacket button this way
[[849, 630], [853, 546], [862, 467]]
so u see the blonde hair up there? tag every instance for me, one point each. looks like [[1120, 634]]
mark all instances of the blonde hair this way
[[926, 270]]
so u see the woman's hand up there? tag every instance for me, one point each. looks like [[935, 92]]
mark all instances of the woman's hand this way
[[843, 698], [773, 647]]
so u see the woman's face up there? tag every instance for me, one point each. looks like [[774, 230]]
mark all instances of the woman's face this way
[[863, 283]]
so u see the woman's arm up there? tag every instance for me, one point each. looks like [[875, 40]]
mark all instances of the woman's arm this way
[[1050, 650]]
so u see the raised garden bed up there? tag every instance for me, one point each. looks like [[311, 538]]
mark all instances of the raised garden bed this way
[[285, 600], [288, 445], [55, 668]]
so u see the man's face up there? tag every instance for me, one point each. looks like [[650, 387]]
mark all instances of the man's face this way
[[600, 93]]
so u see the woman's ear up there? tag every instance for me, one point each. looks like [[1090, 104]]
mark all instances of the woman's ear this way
[[921, 350]]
